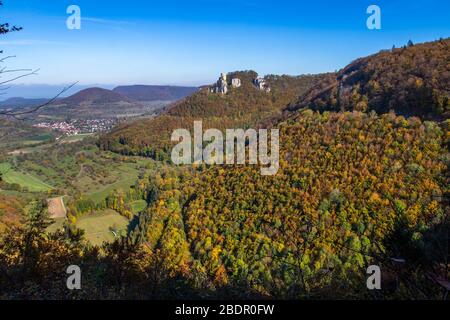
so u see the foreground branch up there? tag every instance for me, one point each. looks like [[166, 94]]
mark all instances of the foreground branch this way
[[35, 109]]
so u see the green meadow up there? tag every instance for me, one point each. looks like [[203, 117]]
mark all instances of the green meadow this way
[[29, 141], [99, 226], [138, 206], [25, 180], [80, 166]]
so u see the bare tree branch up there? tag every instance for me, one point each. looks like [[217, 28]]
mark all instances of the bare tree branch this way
[[21, 76], [35, 109], [14, 70], [6, 58], [29, 72]]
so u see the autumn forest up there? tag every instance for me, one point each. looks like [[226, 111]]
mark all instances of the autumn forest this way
[[363, 180]]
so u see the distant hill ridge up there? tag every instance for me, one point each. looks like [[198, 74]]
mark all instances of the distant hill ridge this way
[[155, 92], [241, 107], [98, 102], [97, 95], [18, 102], [94, 95]]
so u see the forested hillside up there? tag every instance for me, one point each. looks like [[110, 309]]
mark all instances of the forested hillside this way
[[357, 185], [94, 95], [11, 210], [412, 81], [347, 183], [14, 134], [354, 188], [241, 107], [363, 189]]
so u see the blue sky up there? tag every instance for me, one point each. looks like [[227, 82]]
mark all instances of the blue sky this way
[[191, 42]]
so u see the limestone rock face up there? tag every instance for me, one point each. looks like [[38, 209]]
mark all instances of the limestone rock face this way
[[235, 82], [261, 84], [221, 85]]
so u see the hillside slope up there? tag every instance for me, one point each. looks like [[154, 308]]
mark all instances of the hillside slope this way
[[94, 95], [18, 103], [412, 81], [11, 211], [240, 107], [15, 134], [353, 189], [330, 210], [92, 103]]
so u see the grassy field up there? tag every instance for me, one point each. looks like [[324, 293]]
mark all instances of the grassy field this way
[[28, 181], [28, 196], [118, 176], [29, 141], [43, 142], [18, 134], [82, 167], [123, 184], [98, 226], [138, 206], [75, 138], [30, 149], [56, 225]]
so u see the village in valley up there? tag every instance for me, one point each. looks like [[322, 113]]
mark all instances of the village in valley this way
[[78, 126]]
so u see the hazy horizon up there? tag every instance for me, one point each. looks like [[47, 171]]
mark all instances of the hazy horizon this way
[[46, 91]]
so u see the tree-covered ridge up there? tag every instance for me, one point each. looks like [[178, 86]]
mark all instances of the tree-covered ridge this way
[[347, 183], [353, 189], [412, 81], [11, 210], [240, 108]]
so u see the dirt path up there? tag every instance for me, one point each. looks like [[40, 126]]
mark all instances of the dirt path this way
[[80, 172], [56, 208]]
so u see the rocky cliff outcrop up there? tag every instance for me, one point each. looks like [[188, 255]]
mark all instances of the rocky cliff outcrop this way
[[221, 85], [261, 84]]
